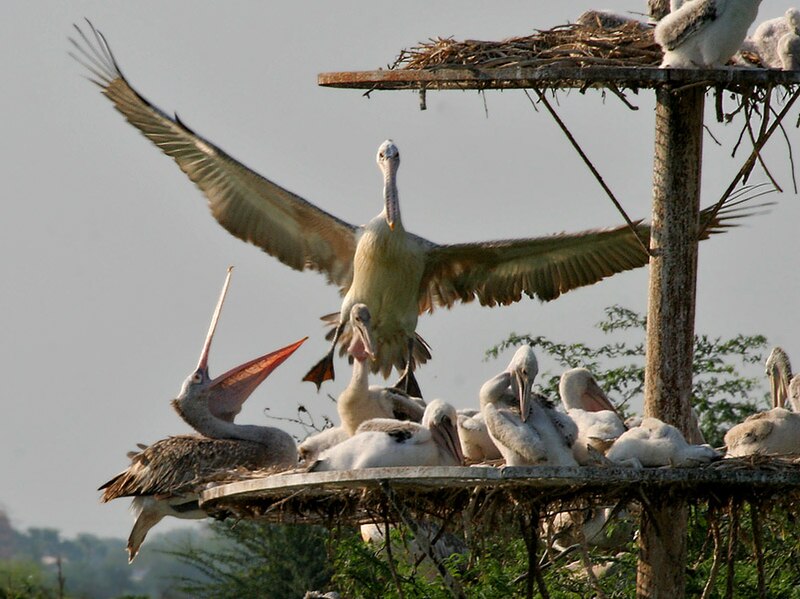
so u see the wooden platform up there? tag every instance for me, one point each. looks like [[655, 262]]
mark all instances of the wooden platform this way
[[354, 495], [550, 77]]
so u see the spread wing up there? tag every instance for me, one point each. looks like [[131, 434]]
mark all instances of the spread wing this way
[[499, 272], [248, 205]]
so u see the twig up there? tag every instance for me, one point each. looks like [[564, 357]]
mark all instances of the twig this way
[[421, 540], [759, 144], [757, 536], [389, 556], [585, 158], [732, 540], [529, 526], [791, 154], [712, 576]]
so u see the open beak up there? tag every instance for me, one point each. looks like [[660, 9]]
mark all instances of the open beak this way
[[363, 335], [229, 391], [202, 364]]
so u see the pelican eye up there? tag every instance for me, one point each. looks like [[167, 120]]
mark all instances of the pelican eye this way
[[197, 377]]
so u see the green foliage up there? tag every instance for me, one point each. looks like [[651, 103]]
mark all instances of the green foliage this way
[[22, 579], [721, 394], [253, 559]]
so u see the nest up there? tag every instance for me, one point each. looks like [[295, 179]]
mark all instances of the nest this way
[[571, 45], [358, 496]]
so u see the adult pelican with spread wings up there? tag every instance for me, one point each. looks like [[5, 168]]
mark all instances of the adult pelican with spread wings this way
[[396, 273]]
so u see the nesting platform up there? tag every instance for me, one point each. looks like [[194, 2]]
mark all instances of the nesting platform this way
[[736, 79], [357, 496]]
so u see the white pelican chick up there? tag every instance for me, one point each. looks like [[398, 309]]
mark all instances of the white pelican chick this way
[[778, 369], [313, 445], [704, 33], [544, 436], [384, 442], [164, 478], [476, 442], [397, 274], [598, 421], [360, 402], [789, 44], [776, 431], [768, 36], [655, 443]]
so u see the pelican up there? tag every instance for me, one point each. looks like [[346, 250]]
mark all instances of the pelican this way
[[608, 19], [396, 273], [385, 442], [775, 431], [476, 443], [704, 33], [164, 478], [599, 424], [789, 44], [655, 443], [768, 36], [779, 371], [359, 401], [313, 445], [538, 434]]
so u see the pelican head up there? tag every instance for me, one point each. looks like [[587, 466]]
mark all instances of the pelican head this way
[[523, 367], [388, 161], [224, 395], [779, 370], [579, 390], [793, 19], [442, 420], [362, 345]]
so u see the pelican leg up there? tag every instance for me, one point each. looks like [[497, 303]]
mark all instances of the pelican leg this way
[[408, 381], [323, 370]]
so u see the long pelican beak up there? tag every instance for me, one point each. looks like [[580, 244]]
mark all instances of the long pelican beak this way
[[202, 364], [523, 393], [445, 433], [229, 391], [362, 335], [594, 399], [778, 388]]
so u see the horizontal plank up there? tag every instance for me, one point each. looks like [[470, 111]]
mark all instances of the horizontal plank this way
[[462, 78]]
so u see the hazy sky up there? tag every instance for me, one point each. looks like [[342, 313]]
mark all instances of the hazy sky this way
[[112, 263]]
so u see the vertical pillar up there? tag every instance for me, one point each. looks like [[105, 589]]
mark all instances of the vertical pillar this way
[[670, 319]]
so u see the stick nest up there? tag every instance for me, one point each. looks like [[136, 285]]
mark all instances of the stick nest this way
[[570, 45]]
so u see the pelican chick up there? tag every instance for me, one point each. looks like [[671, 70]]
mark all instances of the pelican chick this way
[[538, 434], [704, 33], [384, 442], [789, 44], [313, 445], [360, 402], [767, 37], [775, 431], [476, 443], [599, 424], [778, 369], [164, 478], [655, 443]]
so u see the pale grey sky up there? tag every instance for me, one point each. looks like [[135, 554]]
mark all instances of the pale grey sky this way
[[112, 262]]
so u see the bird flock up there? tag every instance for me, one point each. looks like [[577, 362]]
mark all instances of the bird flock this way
[[388, 277]]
